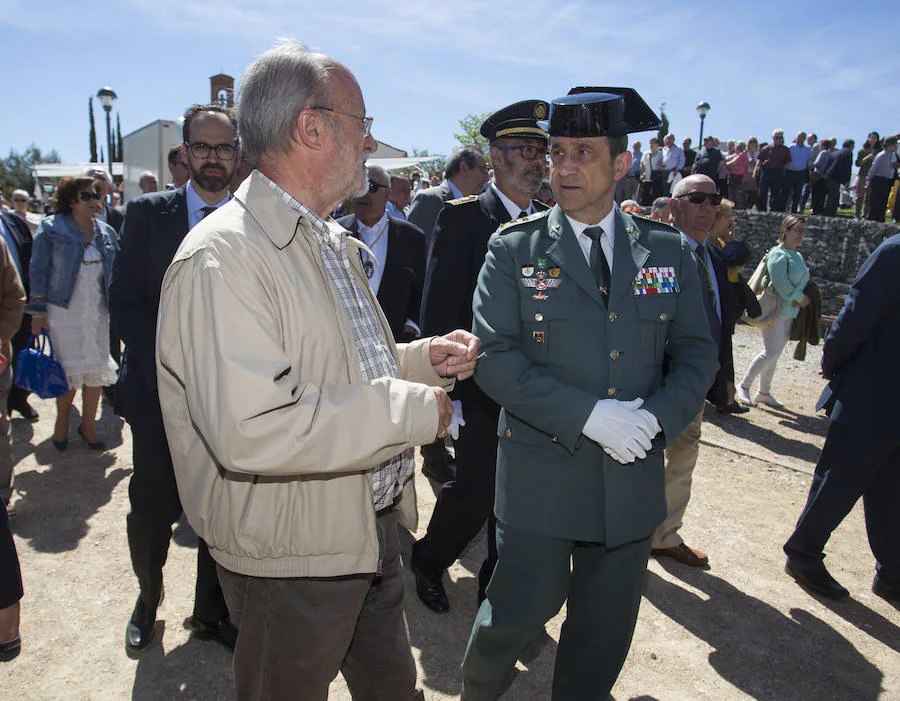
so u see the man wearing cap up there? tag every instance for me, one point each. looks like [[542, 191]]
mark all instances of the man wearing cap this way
[[576, 308], [518, 152]]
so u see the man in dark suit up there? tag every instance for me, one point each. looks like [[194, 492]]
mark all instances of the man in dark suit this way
[[19, 240], [466, 175], [576, 309], [693, 209], [518, 153], [395, 265], [154, 226], [837, 173], [861, 455]]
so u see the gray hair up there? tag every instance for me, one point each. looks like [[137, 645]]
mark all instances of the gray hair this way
[[20, 193], [97, 174], [462, 154], [740, 146], [147, 174], [380, 174], [274, 90], [659, 204]]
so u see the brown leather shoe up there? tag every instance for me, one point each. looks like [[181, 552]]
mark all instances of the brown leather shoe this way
[[684, 554]]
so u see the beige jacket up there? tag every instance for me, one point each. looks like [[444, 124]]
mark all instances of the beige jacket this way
[[272, 431], [12, 300]]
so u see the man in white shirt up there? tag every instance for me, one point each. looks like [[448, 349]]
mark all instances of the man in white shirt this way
[[673, 160]]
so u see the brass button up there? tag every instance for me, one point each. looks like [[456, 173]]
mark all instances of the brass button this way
[[613, 316], [663, 316], [508, 433], [538, 317], [611, 392], [614, 355]]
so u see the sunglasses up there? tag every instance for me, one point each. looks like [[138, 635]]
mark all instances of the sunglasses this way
[[19, 199], [87, 196], [700, 197], [373, 186]]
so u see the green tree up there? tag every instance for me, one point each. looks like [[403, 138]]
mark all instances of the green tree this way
[[93, 134], [437, 165], [16, 169], [664, 127], [119, 152], [471, 134]]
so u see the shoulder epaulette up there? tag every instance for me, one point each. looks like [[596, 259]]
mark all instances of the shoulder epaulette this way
[[654, 222], [462, 200], [524, 220]]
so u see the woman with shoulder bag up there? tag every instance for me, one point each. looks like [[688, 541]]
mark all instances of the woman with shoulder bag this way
[[71, 267], [788, 274]]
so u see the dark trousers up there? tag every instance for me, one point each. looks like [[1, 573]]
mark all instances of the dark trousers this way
[[854, 463], [534, 576], [10, 574], [832, 197], [155, 506], [464, 504], [296, 634], [879, 194], [771, 190], [819, 193], [17, 396], [794, 181]]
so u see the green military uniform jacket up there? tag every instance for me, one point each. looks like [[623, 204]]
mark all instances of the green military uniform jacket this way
[[551, 347]]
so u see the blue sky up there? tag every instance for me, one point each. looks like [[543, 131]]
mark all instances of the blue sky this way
[[824, 66]]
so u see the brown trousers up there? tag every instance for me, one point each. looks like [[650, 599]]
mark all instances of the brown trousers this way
[[297, 634]]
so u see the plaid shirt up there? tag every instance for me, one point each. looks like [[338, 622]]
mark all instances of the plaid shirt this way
[[375, 357]]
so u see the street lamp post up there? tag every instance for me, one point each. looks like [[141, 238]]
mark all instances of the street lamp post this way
[[106, 96], [702, 109]]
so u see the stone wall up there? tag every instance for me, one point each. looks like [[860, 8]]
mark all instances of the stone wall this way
[[834, 248]]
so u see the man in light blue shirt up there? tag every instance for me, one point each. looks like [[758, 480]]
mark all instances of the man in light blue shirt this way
[[797, 173]]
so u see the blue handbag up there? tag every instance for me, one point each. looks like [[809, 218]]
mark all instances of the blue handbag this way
[[39, 372]]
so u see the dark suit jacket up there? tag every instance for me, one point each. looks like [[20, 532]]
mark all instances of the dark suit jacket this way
[[552, 346], [425, 207], [840, 166], [23, 239], [860, 355], [154, 226], [718, 393], [400, 291], [114, 217]]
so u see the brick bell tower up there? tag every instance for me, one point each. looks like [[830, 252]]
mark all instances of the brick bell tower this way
[[221, 89]]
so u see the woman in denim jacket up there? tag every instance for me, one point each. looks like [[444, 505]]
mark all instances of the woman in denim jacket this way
[[789, 276], [71, 266]]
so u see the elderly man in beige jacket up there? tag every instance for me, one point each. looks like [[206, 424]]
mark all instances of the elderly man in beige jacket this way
[[290, 413]]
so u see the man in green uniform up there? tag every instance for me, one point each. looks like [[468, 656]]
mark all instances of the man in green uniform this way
[[576, 309]]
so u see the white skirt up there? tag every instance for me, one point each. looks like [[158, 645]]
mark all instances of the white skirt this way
[[80, 334]]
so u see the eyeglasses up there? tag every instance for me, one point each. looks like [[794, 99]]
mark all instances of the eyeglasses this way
[[365, 123], [700, 197], [87, 196], [373, 186], [529, 153], [224, 152]]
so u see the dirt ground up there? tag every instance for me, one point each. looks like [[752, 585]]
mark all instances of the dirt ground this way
[[741, 629]]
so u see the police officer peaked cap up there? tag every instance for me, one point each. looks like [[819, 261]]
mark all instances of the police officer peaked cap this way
[[587, 112], [518, 120]]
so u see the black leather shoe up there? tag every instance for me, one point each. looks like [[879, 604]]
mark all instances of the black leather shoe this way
[[816, 579], [885, 590], [221, 631], [27, 411], [10, 649], [438, 470], [60, 445], [733, 408], [141, 627], [431, 592]]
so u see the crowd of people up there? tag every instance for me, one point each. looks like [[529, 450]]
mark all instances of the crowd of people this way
[[773, 176], [468, 308]]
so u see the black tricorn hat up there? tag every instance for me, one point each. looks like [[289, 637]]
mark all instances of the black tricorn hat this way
[[594, 111], [517, 120]]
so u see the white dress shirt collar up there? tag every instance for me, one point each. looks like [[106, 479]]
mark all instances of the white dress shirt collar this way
[[608, 224], [511, 207]]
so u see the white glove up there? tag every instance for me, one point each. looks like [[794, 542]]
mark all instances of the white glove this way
[[621, 429], [456, 420]]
